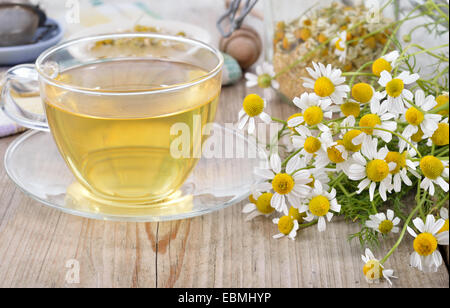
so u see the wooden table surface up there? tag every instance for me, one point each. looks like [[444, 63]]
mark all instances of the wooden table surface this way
[[215, 250]]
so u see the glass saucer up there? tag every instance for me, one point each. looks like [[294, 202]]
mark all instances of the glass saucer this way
[[223, 176]]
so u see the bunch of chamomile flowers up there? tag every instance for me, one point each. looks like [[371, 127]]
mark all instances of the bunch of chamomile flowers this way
[[358, 142]]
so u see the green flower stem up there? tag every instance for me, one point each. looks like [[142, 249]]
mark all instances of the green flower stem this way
[[440, 108], [283, 164], [408, 220], [361, 68], [438, 9], [385, 130], [423, 50], [358, 74], [342, 188], [309, 224], [279, 121]]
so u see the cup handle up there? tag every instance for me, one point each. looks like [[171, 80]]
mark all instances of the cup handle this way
[[25, 79]]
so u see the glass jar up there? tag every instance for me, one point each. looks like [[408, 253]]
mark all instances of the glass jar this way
[[299, 32]]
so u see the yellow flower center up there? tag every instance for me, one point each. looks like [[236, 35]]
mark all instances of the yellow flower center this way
[[373, 270], [296, 215], [377, 170], [395, 87], [252, 199], [285, 225], [425, 244], [381, 65], [362, 92], [444, 227], [417, 137], [398, 158], [319, 206], [369, 120], [385, 226], [338, 45], [348, 138], [253, 105], [351, 109], [264, 81], [440, 136], [441, 101], [334, 154], [263, 203], [414, 116], [313, 115], [432, 167], [312, 145], [283, 183], [323, 87]]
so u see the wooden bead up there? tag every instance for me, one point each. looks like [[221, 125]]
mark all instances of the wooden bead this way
[[244, 45]]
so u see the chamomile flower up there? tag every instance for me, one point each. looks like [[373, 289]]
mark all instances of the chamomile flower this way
[[259, 206], [373, 270], [264, 77], [385, 63], [290, 185], [313, 111], [419, 118], [372, 169], [350, 108], [403, 165], [378, 118], [340, 44], [311, 146], [395, 90], [426, 257], [320, 204], [384, 223], [327, 82], [287, 226], [440, 136], [364, 93], [435, 171], [444, 215], [252, 107]]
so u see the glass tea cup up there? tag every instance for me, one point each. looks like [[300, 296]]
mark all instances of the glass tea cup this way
[[117, 105]]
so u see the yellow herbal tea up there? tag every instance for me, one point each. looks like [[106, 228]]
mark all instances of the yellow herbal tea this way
[[118, 146]]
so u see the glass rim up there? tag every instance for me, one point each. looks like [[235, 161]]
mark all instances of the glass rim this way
[[170, 88]]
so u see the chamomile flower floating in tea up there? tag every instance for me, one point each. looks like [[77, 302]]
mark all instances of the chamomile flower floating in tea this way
[[287, 226], [384, 223], [434, 171], [327, 82], [373, 270], [426, 256], [385, 63], [395, 89], [252, 107]]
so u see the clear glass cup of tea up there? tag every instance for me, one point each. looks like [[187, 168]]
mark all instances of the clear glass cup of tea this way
[[116, 103]]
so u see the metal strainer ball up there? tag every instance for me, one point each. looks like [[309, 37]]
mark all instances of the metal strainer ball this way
[[19, 20]]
